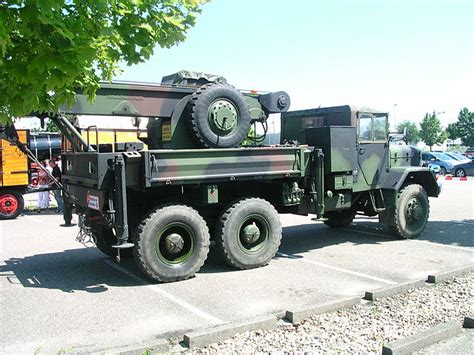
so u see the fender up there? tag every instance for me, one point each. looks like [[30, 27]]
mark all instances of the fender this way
[[400, 176]]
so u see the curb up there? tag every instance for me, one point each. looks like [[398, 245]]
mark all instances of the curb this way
[[199, 339], [468, 321], [299, 314], [393, 290], [422, 339], [446, 275], [158, 346]]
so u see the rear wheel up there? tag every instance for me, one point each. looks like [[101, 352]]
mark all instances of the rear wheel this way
[[339, 219], [171, 243], [411, 212], [460, 172], [248, 233], [11, 204], [104, 239]]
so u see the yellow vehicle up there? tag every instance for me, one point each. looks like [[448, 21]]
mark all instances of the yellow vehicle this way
[[17, 172], [14, 177]]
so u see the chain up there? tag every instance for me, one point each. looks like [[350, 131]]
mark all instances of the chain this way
[[85, 235]]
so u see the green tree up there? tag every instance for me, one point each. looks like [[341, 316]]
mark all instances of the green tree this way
[[465, 127], [412, 132], [50, 48], [452, 131], [431, 132]]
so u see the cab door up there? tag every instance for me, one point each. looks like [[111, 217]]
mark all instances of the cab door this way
[[372, 149]]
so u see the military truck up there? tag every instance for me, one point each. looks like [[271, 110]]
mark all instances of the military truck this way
[[196, 182]]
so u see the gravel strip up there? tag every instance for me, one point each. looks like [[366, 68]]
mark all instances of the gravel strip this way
[[363, 328]]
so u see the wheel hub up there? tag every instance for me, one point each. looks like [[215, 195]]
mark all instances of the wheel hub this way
[[222, 116], [174, 243], [250, 233], [414, 210], [8, 204]]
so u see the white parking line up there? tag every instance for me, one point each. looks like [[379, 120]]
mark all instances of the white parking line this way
[[196, 311], [414, 240], [355, 273], [442, 245]]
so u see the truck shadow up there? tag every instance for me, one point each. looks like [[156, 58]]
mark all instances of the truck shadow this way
[[306, 237], [88, 270], [70, 271], [453, 233]]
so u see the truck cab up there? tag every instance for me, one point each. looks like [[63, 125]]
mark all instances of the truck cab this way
[[363, 172]]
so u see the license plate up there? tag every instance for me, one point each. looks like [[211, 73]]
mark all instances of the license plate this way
[[93, 202]]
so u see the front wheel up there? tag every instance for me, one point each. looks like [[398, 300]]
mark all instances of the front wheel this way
[[248, 233], [171, 243], [411, 212], [443, 171], [11, 204], [460, 172]]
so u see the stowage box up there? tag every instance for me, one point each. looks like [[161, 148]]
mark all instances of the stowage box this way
[[338, 144]]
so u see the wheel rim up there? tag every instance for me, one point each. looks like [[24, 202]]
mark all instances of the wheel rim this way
[[460, 173], [174, 244], [253, 234], [8, 204], [223, 117], [442, 171], [415, 212]]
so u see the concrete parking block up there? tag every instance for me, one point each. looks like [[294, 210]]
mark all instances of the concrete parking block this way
[[468, 321], [393, 290], [205, 337], [446, 275], [422, 339], [299, 314]]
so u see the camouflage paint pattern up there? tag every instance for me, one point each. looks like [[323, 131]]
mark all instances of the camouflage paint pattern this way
[[203, 165]]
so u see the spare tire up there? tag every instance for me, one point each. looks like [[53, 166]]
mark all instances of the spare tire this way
[[218, 116]]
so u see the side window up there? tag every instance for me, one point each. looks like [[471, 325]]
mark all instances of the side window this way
[[380, 128], [365, 128]]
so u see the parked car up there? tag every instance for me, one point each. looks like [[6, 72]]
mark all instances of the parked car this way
[[445, 162], [459, 157], [465, 169], [469, 152]]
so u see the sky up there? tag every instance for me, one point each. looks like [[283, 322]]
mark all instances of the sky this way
[[404, 57]]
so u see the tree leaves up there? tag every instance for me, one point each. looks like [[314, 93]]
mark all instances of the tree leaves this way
[[50, 48], [464, 127], [431, 132], [412, 132]]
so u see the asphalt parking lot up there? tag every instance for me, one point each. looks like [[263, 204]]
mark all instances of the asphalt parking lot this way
[[58, 295]]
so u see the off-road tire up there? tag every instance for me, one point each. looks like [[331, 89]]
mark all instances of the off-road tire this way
[[339, 219], [399, 224], [198, 122], [230, 225], [11, 204], [154, 226], [460, 172], [104, 239]]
